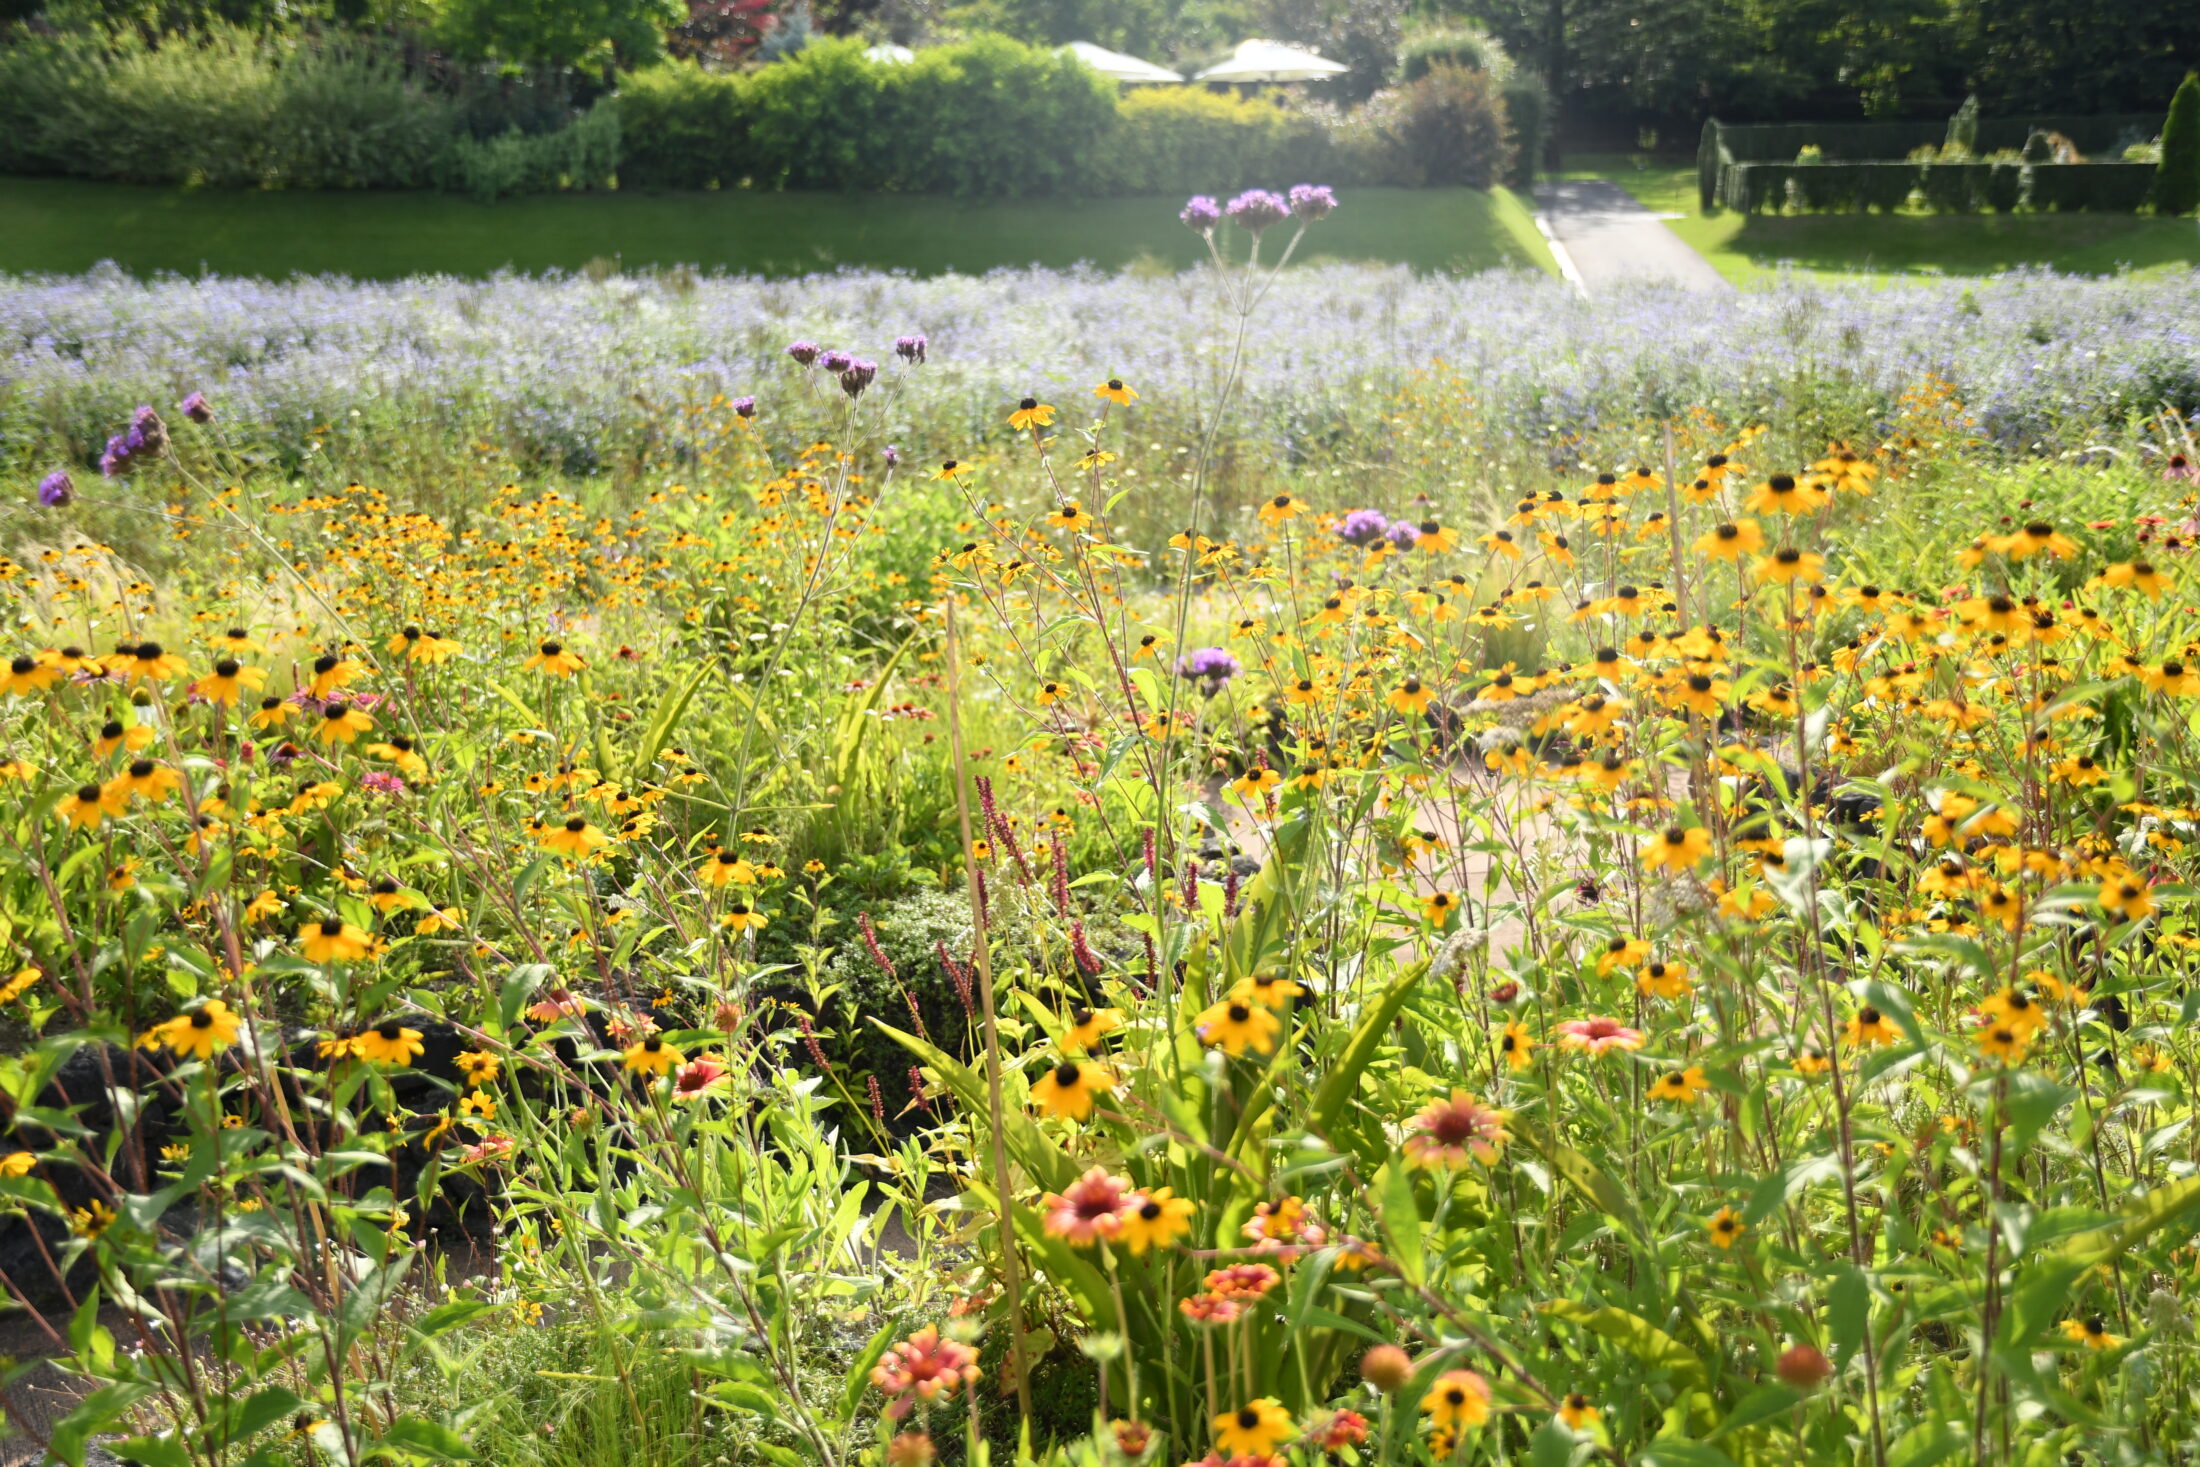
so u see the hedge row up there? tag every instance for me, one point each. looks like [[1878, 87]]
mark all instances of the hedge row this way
[[986, 117], [2117, 188]]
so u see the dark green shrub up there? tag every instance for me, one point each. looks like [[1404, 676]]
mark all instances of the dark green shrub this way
[[682, 127], [583, 156], [1953, 188], [1527, 111], [2106, 188], [1182, 140], [815, 120], [2005, 187], [992, 116], [2177, 178], [1451, 128], [1469, 49]]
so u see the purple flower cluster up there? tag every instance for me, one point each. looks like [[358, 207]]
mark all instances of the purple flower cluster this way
[[1257, 208], [1201, 213], [804, 352], [857, 374], [1363, 527], [56, 489], [911, 348], [1210, 667], [197, 408], [1313, 201], [146, 437]]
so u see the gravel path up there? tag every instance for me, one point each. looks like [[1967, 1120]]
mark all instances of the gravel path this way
[[1612, 239]]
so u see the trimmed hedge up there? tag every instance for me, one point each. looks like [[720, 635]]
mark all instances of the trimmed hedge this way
[[2107, 188], [1188, 140]]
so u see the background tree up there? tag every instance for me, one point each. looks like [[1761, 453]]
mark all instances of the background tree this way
[[560, 34], [2177, 184]]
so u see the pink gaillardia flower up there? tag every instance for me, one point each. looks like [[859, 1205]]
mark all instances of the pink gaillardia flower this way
[[1091, 1209], [1597, 1034], [1447, 1132], [924, 1368]]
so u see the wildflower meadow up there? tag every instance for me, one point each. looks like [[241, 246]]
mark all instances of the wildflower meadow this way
[[1284, 865]]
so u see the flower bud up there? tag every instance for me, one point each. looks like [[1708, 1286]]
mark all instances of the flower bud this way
[[1803, 1367], [1386, 1367]]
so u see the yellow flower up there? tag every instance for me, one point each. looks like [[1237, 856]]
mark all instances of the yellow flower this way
[[388, 1043], [2003, 1042], [1067, 1089], [651, 1056], [574, 837], [156, 782], [333, 940], [415, 645], [89, 804], [954, 469], [2092, 1332], [1726, 1228], [1410, 697], [228, 681], [1577, 1412], [1681, 1087], [1731, 541], [1869, 1027], [1086, 1026], [1788, 564], [342, 724], [202, 1031], [1677, 849], [1517, 1045], [1457, 1398], [2127, 897], [741, 917], [727, 866], [1114, 391], [18, 1164], [1154, 1219], [479, 1066], [23, 982], [1784, 494], [553, 660], [1253, 1430], [1239, 1026], [1031, 413]]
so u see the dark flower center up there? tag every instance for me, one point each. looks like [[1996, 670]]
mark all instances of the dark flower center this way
[[141, 769]]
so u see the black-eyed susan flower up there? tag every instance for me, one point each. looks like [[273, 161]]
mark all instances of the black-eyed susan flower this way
[[415, 645], [15, 1164], [1516, 1046], [1677, 848], [1276, 990], [2139, 575], [953, 468], [1455, 1399], [1868, 1027], [1154, 1218], [1114, 391], [86, 805], [1411, 697], [2127, 896], [27, 676], [273, 713], [650, 1056], [1255, 1429], [150, 661], [342, 724], [331, 672], [1785, 494], [2003, 1043], [1680, 1087], [1577, 1412], [1255, 783], [1435, 537], [333, 940], [1439, 907], [1788, 565], [1238, 1027], [388, 1043], [1726, 1228], [1031, 413], [741, 917], [554, 659], [147, 779], [198, 1034], [727, 867], [478, 1066], [237, 642], [1088, 1026], [229, 681], [573, 836], [1068, 1088], [2091, 1332]]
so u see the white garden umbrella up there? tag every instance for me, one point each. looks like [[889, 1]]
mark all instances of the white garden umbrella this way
[[896, 55], [1117, 67], [1271, 61]]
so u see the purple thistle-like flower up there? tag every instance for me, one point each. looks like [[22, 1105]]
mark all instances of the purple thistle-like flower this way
[[1201, 213], [856, 376], [804, 352], [115, 457], [1210, 667], [1257, 208], [835, 361], [146, 435], [910, 348], [744, 407], [1312, 201], [1363, 527], [196, 408], [892, 455], [56, 489], [1404, 534]]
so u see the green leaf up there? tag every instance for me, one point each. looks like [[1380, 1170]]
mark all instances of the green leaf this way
[[1761, 1404], [1402, 1220], [1552, 1445], [429, 1438], [446, 1317], [666, 718], [2043, 1285], [1684, 1454], [153, 1451], [1848, 1312], [858, 1378], [1049, 1165], [1343, 1082], [1640, 1338], [93, 1415], [260, 1411]]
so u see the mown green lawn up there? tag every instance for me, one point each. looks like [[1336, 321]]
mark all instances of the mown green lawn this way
[[69, 225], [1745, 248]]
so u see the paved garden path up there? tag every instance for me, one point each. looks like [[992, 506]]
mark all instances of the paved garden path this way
[[1610, 239]]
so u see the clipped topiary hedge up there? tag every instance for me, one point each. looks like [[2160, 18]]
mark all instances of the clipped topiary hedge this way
[[1834, 188], [2100, 188]]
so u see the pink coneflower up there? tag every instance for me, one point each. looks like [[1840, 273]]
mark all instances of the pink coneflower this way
[[923, 1367], [1598, 1034], [381, 781], [1209, 1309], [1450, 1131], [1342, 1429], [698, 1077], [1284, 1227], [626, 1027], [1242, 1281], [1093, 1208]]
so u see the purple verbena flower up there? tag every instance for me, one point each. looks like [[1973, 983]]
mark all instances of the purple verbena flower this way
[[910, 348], [196, 408], [1312, 201], [1404, 534], [744, 407], [56, 489], [835, 361], [857, 375], [1363, 527], [1210, 667], [892, 456], [804, 352], [1257, 208], [1201, 213]]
